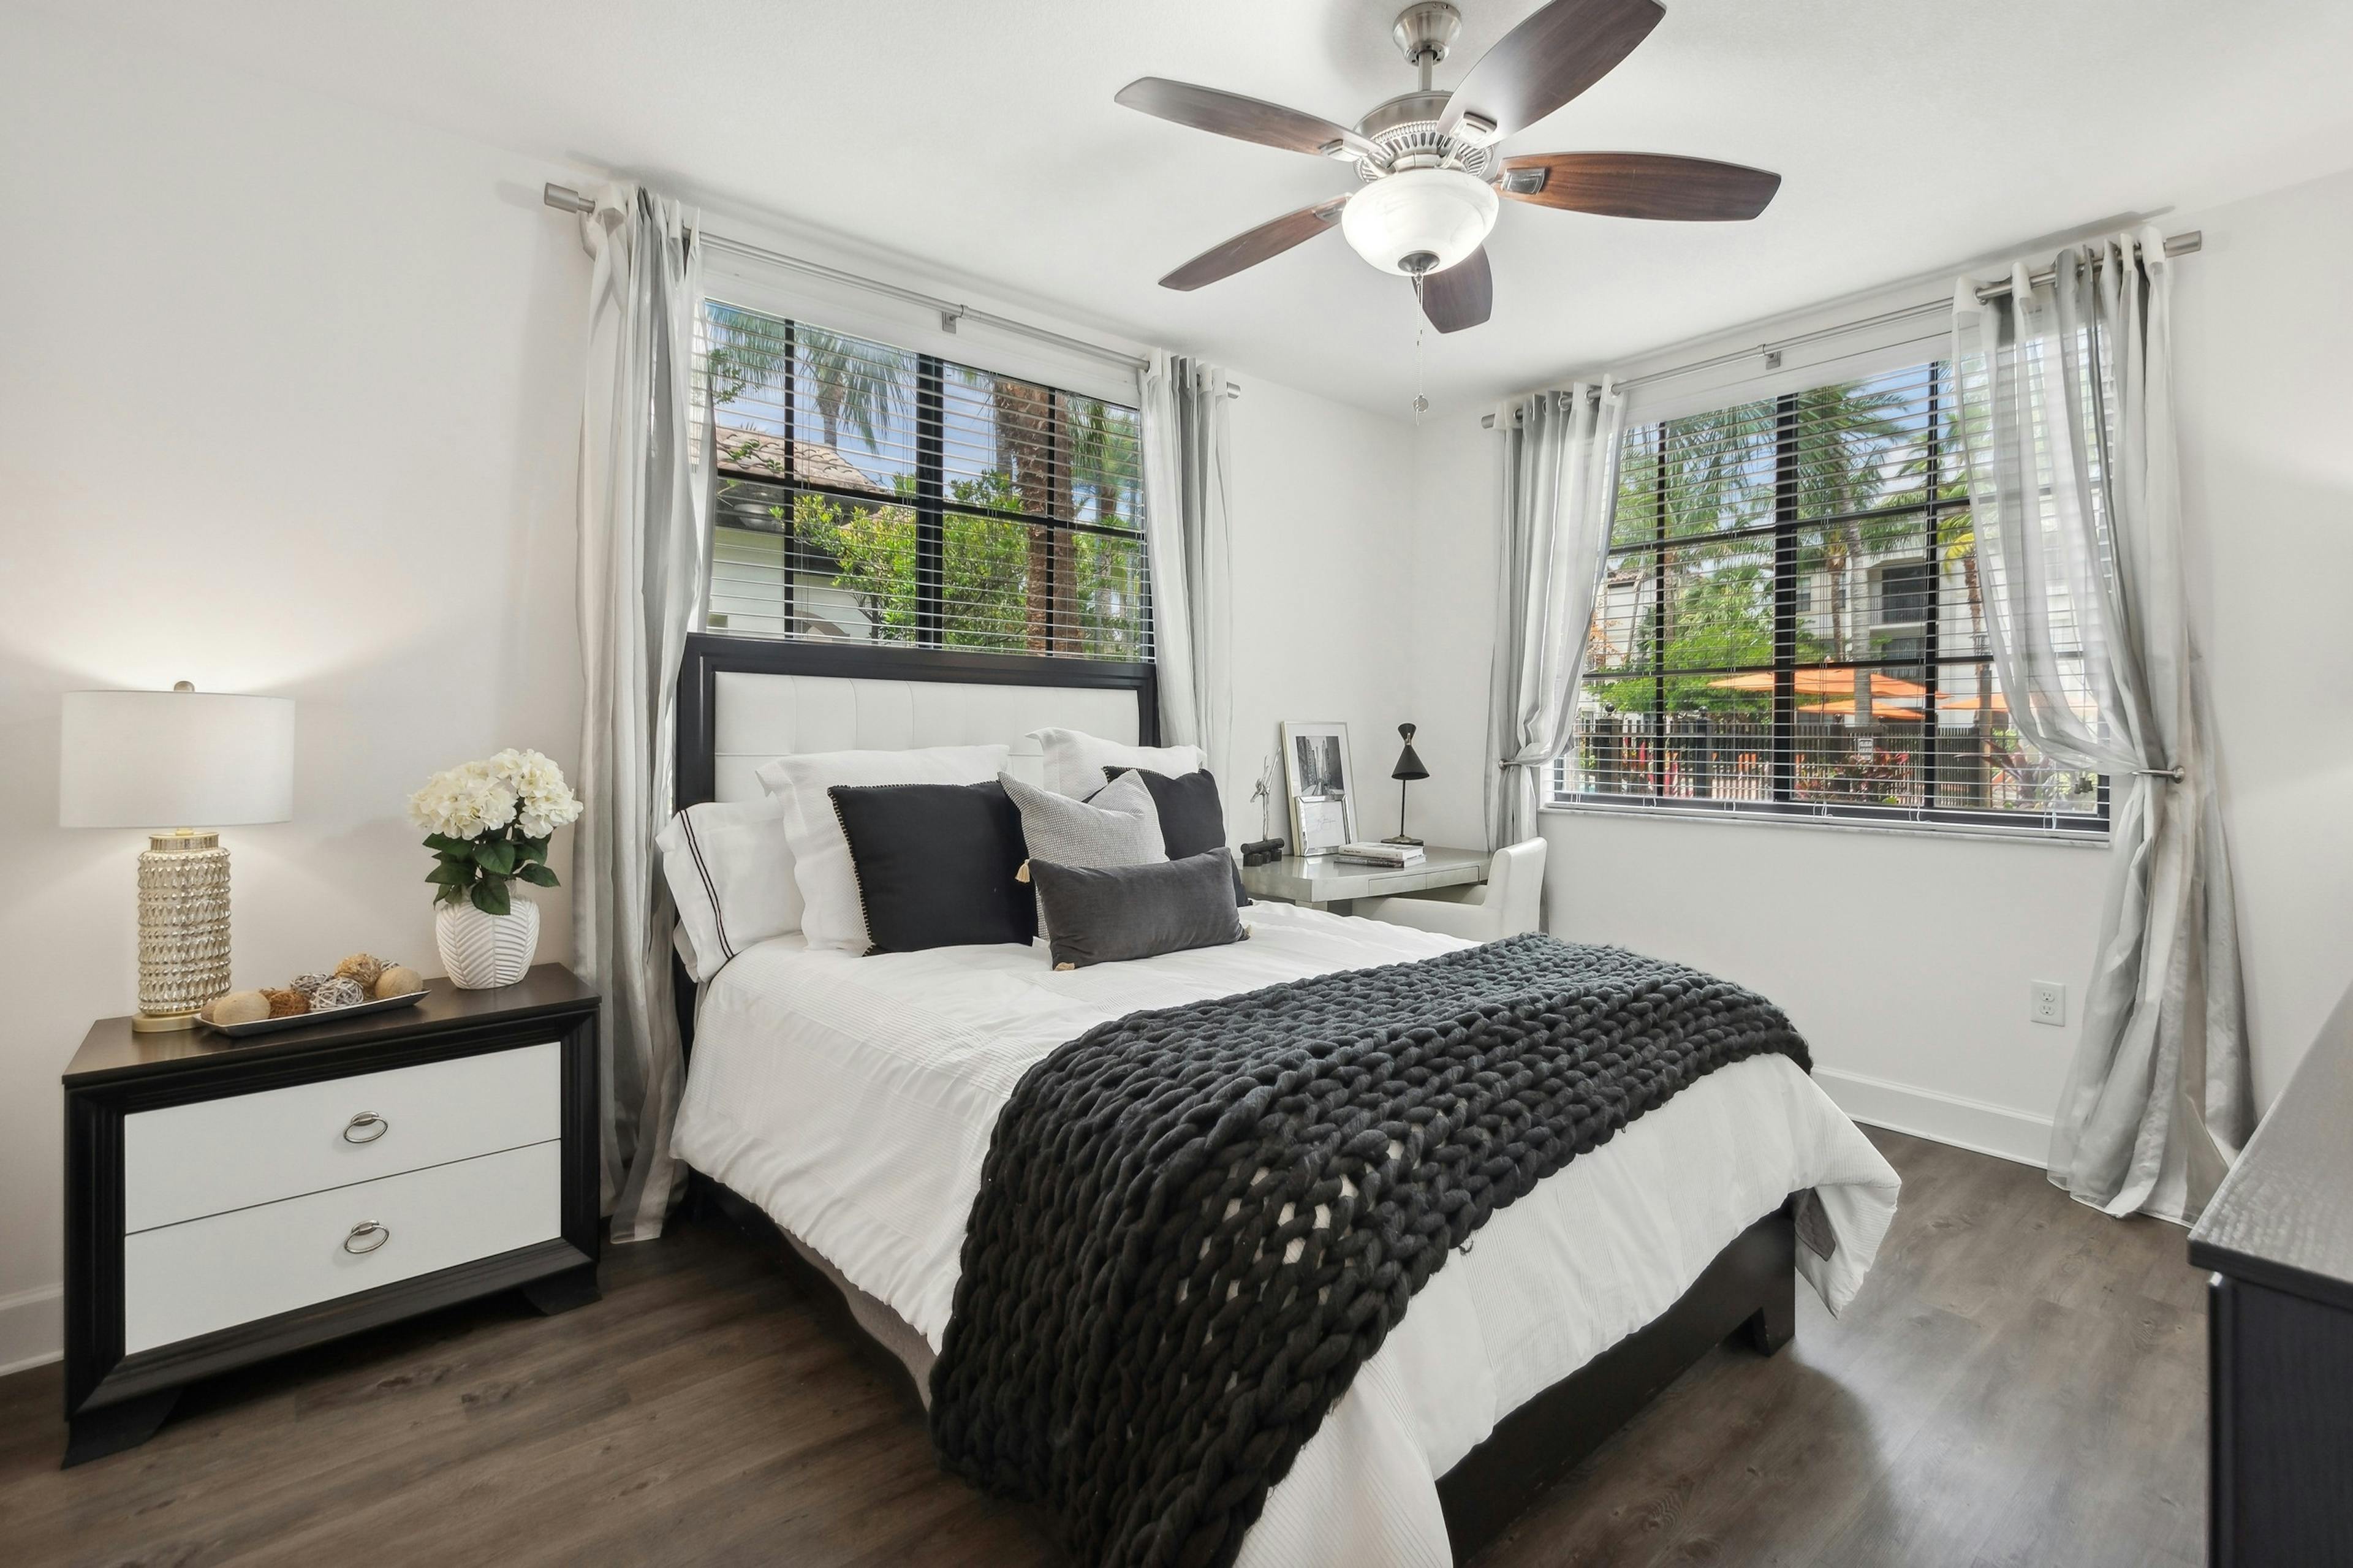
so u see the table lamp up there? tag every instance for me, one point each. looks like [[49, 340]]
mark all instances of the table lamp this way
[[1408, 768], [145, 759]]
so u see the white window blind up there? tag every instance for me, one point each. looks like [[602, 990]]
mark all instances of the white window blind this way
[[867, 493], [1791, 622]]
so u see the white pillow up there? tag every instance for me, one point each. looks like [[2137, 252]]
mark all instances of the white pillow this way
[[729, 869], [1075, 759], [832, 914]]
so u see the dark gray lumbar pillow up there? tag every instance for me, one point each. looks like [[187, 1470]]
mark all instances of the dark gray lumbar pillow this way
[[1192, 819], [1108, 913]]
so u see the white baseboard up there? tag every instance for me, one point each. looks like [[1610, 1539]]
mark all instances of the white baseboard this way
[[1964, 1124], [32, 1328]]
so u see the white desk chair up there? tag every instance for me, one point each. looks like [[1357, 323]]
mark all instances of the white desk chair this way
[[1507, 904]]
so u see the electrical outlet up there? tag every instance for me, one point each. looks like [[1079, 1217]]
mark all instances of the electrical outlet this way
[[2046, 1002]]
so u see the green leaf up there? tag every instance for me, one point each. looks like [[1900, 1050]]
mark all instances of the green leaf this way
[[451, 875], [450, 895], [533, 849], [490, 896], [448, 846], [537, 876], [497, 858]]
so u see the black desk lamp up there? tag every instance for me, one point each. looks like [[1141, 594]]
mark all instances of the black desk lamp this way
[[1408, 768]]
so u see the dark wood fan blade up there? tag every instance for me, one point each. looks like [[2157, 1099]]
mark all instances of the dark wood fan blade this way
[[1550, 59], [1254, 245], [1641, 184], [1232, 114], [1462, 295]]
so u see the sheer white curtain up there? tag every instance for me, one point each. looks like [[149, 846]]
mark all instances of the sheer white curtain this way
[[641, 564], [1188, 529], [1560, 486], [2066, 416]]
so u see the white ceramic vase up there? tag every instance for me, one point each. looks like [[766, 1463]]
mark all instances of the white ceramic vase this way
[[482, 952]]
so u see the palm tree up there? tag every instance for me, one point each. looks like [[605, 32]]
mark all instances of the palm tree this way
[[1022, 430], [852, 382], [1846, 435], [1103, 458]]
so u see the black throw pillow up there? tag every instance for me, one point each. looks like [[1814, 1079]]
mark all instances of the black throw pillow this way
[[1192, 817], [935, 864], [1105, 914]]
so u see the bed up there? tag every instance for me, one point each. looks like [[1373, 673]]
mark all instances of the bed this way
[[848, 1103]]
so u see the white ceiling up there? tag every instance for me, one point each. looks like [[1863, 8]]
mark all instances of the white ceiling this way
[[981, 138]]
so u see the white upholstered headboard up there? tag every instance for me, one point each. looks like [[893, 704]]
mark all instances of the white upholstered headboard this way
[[743, 703]]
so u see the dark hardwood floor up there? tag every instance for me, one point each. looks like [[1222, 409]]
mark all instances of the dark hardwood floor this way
[[2021, 1384]]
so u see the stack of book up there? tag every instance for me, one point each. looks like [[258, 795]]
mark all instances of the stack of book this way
[[1379, 854]]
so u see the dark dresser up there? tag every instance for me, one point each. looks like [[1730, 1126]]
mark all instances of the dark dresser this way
[[2279, 1239]]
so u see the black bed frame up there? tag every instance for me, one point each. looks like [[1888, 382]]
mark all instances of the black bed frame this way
[[1749, 1292]]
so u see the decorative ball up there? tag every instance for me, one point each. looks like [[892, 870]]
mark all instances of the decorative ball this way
[[308, 983], [361, 968], [398, 980], [286, 1002], [238, 1007], [341, 992]]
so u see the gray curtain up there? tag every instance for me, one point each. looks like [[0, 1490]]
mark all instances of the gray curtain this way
[[1188, 529], [2066, 416], [641, 565], [1559, 485]]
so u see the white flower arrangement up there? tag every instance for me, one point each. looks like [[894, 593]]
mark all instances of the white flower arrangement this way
[[488, 824]]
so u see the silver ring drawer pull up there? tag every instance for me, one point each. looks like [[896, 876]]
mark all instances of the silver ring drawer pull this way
[[357, 1129], [365, 1227]]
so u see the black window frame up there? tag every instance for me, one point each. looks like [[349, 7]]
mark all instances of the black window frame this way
[[932, 507], [1786, 530]]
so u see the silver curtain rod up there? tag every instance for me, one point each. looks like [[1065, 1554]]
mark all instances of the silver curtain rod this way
[[2184, 244], [564, 198]]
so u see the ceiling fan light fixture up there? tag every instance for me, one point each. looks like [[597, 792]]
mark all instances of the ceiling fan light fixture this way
[[1443, 214]]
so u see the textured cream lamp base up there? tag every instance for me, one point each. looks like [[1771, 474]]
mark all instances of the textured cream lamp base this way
[[133, 759], [183, 928]]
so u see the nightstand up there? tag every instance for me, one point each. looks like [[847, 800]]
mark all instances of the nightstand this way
[[230, 1200]]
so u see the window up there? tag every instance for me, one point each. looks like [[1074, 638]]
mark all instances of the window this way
[[866, 493], [1791, 623]]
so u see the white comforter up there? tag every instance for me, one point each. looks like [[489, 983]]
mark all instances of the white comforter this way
[[853, 1099]]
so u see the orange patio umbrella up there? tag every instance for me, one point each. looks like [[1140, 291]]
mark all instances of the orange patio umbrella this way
[[1889, 711], [1814, 682]]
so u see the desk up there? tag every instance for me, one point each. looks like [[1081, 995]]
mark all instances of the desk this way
[[2278, 1237], [1319, 881]]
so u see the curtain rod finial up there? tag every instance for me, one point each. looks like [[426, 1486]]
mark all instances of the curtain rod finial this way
[[564, 198]]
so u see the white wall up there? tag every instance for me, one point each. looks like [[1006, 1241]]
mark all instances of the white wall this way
[[1323, 591], [1926, 1029], [288, 405]]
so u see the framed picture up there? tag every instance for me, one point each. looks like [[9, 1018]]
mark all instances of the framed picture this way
[[1321, 779]]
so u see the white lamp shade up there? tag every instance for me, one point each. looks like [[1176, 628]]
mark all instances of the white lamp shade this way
[[1441, 213], [174, 759]]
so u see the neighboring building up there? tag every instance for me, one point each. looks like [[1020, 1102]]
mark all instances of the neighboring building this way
[[764, 582]]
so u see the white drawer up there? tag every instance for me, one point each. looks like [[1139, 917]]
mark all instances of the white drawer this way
[[186, 1279], [214, 1155]]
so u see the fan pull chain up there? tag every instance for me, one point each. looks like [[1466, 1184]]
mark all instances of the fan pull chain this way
[[1420, 325], [1420, 403]]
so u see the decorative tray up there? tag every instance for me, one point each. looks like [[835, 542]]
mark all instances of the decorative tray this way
[[296, 1020]]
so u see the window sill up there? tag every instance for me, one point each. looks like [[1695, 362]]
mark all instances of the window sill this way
[[2056, 838]]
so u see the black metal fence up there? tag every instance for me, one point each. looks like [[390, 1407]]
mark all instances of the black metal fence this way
[[1702, 757]]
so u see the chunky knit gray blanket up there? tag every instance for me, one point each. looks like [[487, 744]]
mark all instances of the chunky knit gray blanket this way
[[1195, 1223]]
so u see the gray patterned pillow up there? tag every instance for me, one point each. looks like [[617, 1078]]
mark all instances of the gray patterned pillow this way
[[1119, 826]]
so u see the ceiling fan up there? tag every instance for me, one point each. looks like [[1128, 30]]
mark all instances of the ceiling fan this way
[[1428, 159]]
